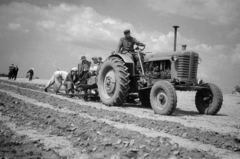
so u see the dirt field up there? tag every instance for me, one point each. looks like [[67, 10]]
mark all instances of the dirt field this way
[[35, 124]]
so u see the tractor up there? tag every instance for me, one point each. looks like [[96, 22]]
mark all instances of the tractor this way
[[157, 80]]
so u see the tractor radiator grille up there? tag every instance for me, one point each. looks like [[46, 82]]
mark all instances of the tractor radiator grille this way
[[187, 66]]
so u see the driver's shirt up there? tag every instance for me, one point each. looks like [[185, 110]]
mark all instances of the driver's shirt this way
[[126, 44]]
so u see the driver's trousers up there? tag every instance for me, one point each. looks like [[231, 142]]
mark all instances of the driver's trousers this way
[[134, 57]]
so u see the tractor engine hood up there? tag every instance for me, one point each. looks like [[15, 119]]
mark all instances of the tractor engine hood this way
[[167, 55]]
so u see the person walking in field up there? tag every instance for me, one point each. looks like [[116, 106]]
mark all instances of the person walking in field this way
[[15, 72], [10, 73], [56, 80], [31, 73]]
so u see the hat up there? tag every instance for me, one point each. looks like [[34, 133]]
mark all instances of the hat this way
[[100, 58], [94, 58], [83, 57], [74, 69], [32, 69], [126, 31]]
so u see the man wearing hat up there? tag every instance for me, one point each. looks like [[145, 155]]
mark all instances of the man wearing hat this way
[[100, 60], [126, 44], [70, 80], [91, 78], [83, 66]]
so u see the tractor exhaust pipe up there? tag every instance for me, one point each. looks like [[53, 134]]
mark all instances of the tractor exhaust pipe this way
[[175, 37]]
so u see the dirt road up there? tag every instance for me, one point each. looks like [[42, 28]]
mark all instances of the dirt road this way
[[35, 124]]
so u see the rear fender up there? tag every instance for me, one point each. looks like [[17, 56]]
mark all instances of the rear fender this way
[[128, 61]]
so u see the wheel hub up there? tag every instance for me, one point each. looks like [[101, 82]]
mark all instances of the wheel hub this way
[[110, 82], [207, 97], [162, 99]]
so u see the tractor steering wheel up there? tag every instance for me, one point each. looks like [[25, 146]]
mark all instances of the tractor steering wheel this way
[[140, 47]]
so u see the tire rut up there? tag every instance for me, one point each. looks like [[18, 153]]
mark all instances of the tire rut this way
[[149, 133], [18, 146], [77, 108], [203, 124], [175, 129], [96, 138]]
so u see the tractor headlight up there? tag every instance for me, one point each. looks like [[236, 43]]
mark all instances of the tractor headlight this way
[[199, 60], [174, 58]]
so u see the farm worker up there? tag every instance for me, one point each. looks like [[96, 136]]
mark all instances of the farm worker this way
[[126, 44], [100, 64], [31, 73], [15, 72], [57, 80], [83, 66], [92, 79], [71, 79], [10, 71], [93, 71], [94, 66], [100, 60]]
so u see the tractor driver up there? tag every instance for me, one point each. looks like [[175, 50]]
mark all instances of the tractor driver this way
[[125, 46]]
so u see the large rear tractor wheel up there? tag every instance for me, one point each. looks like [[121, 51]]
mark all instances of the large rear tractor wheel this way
[[209, 101], [163, 98], [113, 82]]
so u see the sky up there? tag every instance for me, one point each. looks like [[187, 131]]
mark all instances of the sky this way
[[53, 34]]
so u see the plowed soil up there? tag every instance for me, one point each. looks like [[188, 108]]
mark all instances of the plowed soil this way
[[35, 124]]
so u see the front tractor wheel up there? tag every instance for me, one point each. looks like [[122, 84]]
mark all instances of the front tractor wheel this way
[[163, 98], [113, 82], [209, 101]]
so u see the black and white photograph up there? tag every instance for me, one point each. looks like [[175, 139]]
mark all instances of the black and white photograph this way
[[119, 79]]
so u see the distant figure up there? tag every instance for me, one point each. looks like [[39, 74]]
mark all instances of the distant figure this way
[[10, 73], [31, 73], [57, 80], [15, 72], [70, 80], [237, 89]]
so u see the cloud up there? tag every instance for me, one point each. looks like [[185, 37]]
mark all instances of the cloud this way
[[159, 42], [234, 33], [46, 24], [14, 26], [214, 11], [57, 36], [220, 64], [78, 25], [63, 32], [236, 55], [82, 25]]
